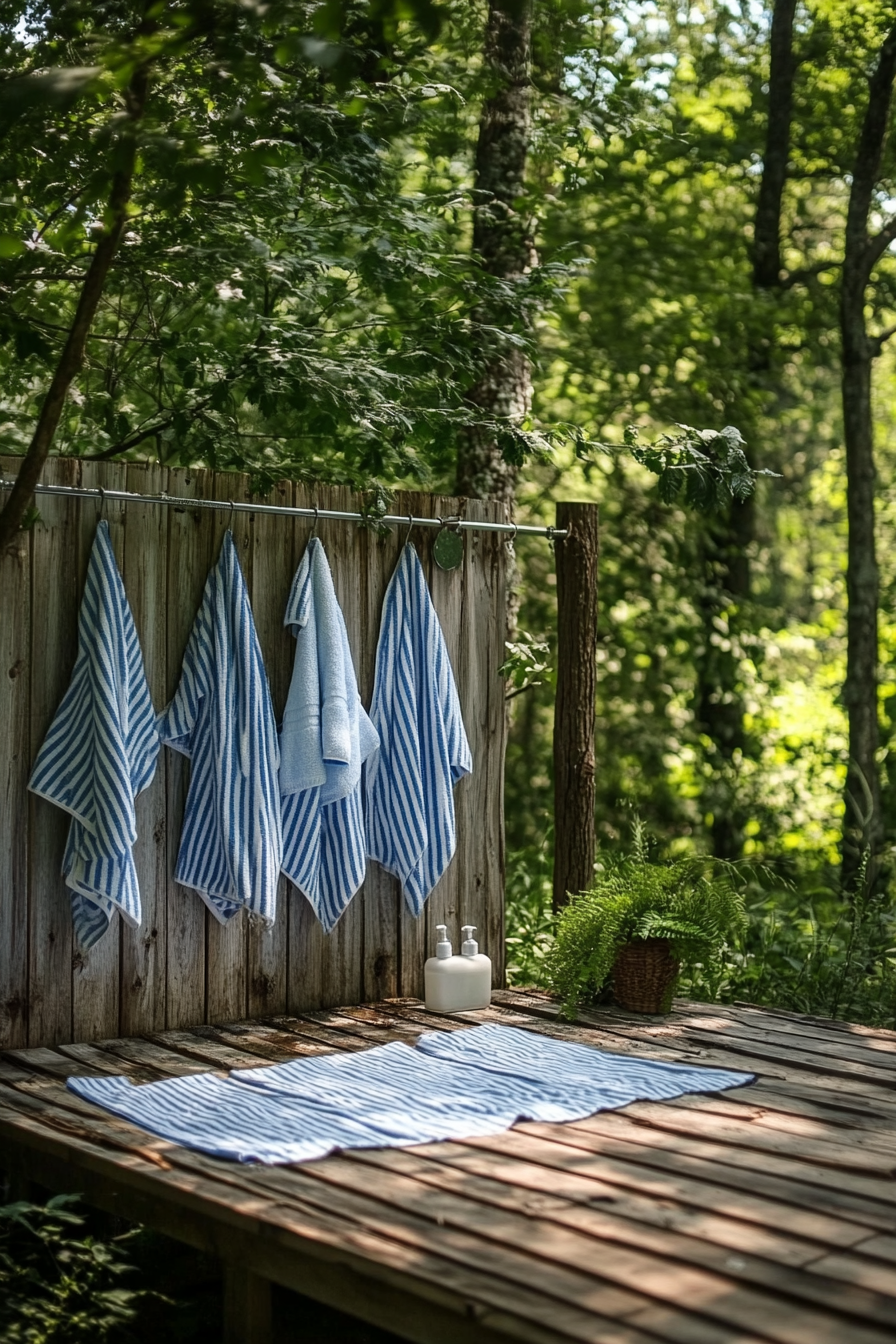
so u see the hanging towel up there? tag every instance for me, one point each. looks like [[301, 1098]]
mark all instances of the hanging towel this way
[[325, 739], [391, 1096], [100, 752], [221, 717], [423, 746]]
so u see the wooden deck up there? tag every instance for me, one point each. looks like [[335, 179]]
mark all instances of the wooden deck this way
[[767, 1213]]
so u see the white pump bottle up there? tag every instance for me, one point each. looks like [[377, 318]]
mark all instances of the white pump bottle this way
[[480, 973], [457, 984]]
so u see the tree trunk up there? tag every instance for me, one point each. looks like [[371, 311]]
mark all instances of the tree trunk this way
[[862, 819], [862, 822], [767, 225], [501, 238], [574, 842], [720, 706], [72, 356], [727, 539]]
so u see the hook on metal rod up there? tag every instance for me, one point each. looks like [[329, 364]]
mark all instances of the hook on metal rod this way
[[407, 535], [316, 517], [102, 502], [230, 519]]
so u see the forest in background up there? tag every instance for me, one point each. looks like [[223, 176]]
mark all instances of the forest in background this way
[[395, 242]]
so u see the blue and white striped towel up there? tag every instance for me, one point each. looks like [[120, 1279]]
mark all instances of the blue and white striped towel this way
[[423, 746], [100, 752], [221, 717], [580, 1074], [393, 1095], [325, 739]]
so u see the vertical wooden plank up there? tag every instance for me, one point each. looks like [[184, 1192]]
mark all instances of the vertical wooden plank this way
[[54, 639], [380, 894], [447, 590], [343, 947], [308, 951], [144, 951], [15, 765], [494, 593], [377, 950], [226, 944], [96, 974], [190, 536], [247, 1306], [272, 571], [479, 797]]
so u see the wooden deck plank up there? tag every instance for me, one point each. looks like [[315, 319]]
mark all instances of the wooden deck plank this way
[[286, 1185], [726, 1028], [239, 1191], [664, 1041], [319, 1256], [761, 1265], [783, 1119], [656, 1195], [766, 1213], [881, 1064], [877, 1040]]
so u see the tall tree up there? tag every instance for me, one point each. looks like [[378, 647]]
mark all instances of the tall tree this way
[[767, 225], [108, 238], [729, 537], [863, 822], [502, 240]]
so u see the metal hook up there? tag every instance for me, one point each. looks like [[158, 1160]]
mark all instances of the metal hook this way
[[102, 502], [508, 541], [407, 535], [316, 516], [230, 519]]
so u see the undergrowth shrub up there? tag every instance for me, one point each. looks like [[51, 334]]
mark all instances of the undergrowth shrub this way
[[58, 1284], [802, 947]]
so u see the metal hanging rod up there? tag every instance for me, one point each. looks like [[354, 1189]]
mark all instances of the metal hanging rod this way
[[389, 519]]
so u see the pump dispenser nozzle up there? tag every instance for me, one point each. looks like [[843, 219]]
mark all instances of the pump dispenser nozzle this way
[[443, 947], [469, 947]]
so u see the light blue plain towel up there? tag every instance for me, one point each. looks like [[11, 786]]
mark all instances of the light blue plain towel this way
[[325, 739], [100, 752], [394, 1095], [423, 746], [221, 717]]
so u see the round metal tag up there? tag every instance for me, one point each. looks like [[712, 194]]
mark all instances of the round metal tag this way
[[448, 549]]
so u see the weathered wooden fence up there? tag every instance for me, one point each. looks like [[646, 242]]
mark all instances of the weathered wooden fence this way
[[181, 967]]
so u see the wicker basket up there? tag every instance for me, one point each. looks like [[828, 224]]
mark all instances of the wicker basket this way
[[644, 976]]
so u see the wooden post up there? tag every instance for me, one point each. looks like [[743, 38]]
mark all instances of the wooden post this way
[[574, 706], [247, 1306]]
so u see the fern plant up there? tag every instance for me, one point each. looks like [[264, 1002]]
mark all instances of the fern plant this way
[[694, 903]]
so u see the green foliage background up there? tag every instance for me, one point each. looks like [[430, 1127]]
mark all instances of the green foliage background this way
[[297, 295]]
